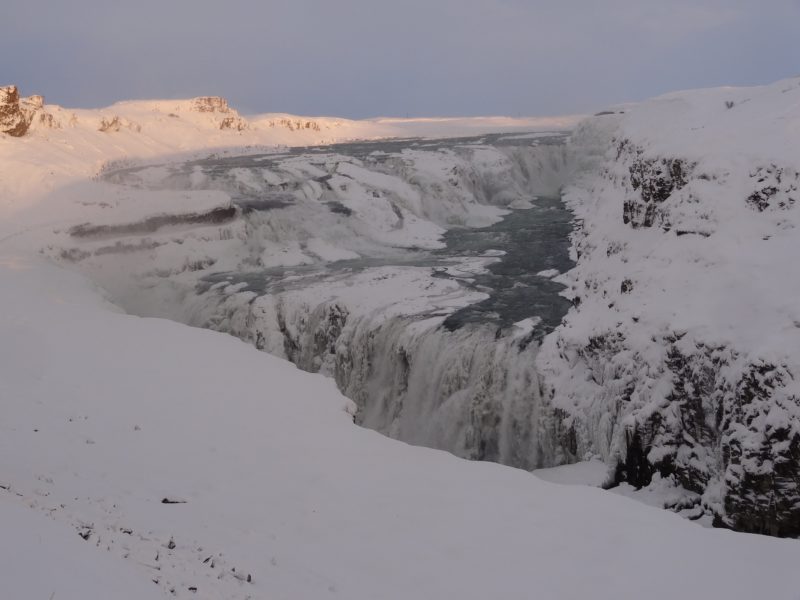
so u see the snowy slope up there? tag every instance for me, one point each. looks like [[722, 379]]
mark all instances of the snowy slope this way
[[680, 363], [278, 495]]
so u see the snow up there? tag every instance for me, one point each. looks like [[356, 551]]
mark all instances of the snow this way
[[466, 126], [280, 495], [549, 273], [74, 147], [588, 472], [710, 281], [280, 486], [43, 558], [329, 252]]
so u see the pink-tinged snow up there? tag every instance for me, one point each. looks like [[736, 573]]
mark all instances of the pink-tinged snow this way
[[105, 415], [464, 126], [80, 142]]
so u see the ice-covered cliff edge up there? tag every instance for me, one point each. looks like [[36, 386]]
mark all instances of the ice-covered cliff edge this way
[[679, 363]]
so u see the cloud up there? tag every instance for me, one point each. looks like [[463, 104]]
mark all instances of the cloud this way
[[362, 58]]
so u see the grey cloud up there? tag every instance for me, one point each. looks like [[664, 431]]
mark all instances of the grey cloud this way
[[366, 58]]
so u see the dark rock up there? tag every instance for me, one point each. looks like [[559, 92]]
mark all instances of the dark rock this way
[[742, 433], [761, 451], [13, 121], [635, 469], [116, 123], [776, 188], [655, 180], [18, 115], [234, 123], [214, 216], [214, 104]]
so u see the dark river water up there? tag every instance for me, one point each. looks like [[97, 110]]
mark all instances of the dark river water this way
[[534, 240]]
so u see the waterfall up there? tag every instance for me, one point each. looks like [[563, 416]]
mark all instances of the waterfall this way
[[376, 323]]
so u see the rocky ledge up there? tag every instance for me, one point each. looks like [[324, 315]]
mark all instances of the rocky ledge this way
[[18, 115]]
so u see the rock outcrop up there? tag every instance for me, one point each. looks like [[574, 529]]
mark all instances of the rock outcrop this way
[[13, 120], [218, 105], [211, 104], [295, 124], [19, 115], [116, 123]]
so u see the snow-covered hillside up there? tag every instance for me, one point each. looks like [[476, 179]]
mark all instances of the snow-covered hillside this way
[[680, 362]]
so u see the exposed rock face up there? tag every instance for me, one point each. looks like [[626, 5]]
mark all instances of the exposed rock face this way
[[295, 124], [740, 433], [761, 454], [776, 188], [13, 120], [212, 104], [234, 123], [116, 123], [18, 115], [217, 105], [654, 181]]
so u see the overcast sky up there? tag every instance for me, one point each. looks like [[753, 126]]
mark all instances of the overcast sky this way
[[361, 58]]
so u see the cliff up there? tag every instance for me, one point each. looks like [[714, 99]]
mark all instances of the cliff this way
[[679, 363]]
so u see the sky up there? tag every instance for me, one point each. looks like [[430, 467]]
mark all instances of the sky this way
[[367, 58]]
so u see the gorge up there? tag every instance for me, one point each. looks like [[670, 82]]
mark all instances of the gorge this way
[[332, 257]]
